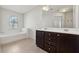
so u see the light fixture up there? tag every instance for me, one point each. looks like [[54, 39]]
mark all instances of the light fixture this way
[[64, 10], [45, 8]]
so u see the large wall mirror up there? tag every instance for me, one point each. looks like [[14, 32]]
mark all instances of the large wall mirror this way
[[58, 16]]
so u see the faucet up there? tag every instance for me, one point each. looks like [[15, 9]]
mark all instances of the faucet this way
[[66, 30]]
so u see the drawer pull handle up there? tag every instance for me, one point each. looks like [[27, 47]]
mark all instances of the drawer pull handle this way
[[49, 34], [49, 48], [49, 39], [49, 43], [58, 34]]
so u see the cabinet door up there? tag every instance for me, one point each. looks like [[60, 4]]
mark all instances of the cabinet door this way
[[67, 43], [77, 44], [40, 39], [53, 49]]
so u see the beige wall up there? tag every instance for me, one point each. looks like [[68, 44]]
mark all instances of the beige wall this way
[[4, 20], [0, 23], [36, 19], [32, 20]]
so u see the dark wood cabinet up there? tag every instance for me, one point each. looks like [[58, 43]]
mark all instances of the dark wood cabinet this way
[[54, 42], [40, 39], [66, 43]]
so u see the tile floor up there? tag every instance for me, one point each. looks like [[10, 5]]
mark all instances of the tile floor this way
[[22, 46]]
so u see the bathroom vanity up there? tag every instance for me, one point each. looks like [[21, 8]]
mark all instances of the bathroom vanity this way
[[57, 42]]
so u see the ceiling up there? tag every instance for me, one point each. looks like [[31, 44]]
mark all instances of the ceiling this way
[[60, 7], [26, 8], [19, 8]]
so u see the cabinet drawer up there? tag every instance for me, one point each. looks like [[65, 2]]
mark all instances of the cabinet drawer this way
[[48, 34], [51, 43], [47, 47], [53, 49], [50, 48], [50, 39]]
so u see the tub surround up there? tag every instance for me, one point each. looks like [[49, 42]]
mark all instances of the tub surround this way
[[58, 40], [11, 37]]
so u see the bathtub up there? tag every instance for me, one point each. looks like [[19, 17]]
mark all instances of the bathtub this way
[[10, 37]]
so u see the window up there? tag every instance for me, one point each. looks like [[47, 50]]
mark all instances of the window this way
[[13, 22]]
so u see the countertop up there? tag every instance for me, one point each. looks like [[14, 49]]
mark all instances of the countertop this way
[[61, 30]]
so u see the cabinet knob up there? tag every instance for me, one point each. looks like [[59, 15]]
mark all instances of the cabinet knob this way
[[49, 48], [49, 34], [49, 43], [49, 39], [58, 34]]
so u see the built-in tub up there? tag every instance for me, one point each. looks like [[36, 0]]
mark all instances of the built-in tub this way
[[10, 37]]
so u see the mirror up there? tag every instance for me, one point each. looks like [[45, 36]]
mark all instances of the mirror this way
[[58, 16]]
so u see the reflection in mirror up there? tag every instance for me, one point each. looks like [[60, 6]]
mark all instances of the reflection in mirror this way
[[58, 16]]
